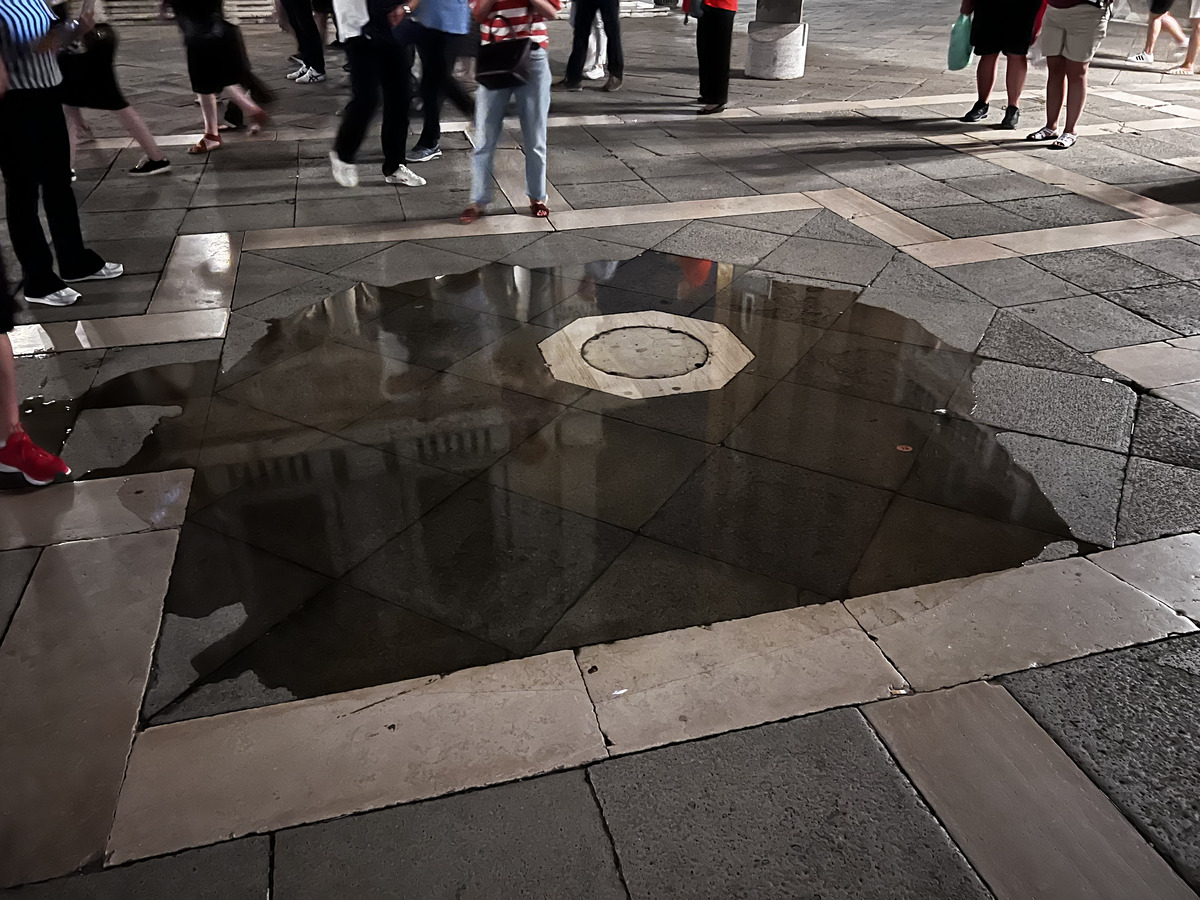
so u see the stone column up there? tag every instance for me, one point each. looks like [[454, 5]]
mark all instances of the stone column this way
[[778, 40]]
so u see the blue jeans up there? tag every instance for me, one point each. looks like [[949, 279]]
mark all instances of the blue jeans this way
[[533, 106]]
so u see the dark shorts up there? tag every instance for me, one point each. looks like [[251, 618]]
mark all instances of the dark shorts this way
[[1003, 26], [324, 7], [1160, 7]]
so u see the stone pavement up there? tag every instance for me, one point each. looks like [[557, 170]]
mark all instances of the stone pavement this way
[[439, 621]]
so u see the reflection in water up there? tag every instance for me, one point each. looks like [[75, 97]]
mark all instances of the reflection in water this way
[[390, 484]]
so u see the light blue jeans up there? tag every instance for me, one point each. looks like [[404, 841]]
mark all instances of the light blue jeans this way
[[533, 106]]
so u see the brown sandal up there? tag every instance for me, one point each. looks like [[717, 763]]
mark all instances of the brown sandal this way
[[539, 209], [206, 144], [471, 214]]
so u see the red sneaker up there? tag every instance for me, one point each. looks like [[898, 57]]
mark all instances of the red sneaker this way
[[20, 454]]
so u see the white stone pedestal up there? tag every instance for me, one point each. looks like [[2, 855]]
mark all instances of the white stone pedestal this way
[[777, 52]]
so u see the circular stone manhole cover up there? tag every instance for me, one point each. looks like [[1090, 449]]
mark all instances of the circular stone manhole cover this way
[[643, 351]]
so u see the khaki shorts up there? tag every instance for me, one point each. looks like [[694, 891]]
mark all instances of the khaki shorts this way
[[1075, 32]]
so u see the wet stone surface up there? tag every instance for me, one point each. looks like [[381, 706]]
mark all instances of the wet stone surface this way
[[390, 484]]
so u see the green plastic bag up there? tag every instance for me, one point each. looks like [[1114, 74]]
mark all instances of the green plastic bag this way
[[960, 44]]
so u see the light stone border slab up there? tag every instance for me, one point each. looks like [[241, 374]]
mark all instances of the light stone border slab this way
[[200, 273], [73, 666], [85, 510], [206, 780], [1029, 820], [1158, 364], [122, 331], [969, 629], [563, 353], [1167, 569], [694, 682]]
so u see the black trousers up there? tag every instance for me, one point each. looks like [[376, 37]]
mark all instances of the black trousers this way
[[377, 67], [438, 50], [585, 14], [309, 41], [35, 160], [714, 44]]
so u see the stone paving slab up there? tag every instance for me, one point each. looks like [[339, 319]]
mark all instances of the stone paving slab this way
[[812, 807], [538, 839], [1128, 719], [238, 870], [1030, 822]]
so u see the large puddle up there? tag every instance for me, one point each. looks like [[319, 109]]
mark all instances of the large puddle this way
[[391, 484]]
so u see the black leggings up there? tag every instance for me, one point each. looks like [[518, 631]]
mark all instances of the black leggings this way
[[438, 51], [714, 44], [309, 41], [376, 66], [35, 160]]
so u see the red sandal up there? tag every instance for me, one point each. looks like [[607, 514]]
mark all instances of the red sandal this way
[[539, 209], [258, 120], [471, 214], [206, 144]]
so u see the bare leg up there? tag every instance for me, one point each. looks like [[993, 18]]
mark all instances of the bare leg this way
[[76, 128], [1189, 62], [1076, 93], [985, 75], [241, 97], [1056, 87], [136, 128], [1152, 32], [208, 108], [1017, 69], [1173, 29], [9, 411]]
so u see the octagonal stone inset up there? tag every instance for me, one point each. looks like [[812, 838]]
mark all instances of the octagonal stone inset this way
[[645, 354]]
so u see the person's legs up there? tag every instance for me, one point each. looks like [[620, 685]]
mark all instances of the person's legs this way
[[18, 164], [135, 126], [1056, 88], [1016, 71], [395, 66], [610, 17], [533, 108], [76, 127], [1076, 80], [208, 109], [10, 411], [703, 57], [1169, 22], [364, 99], [585, 11], [489, 123], [1188, 67], [53, 144], [312, 48], [721, 51], [431, 47], [985, 76]]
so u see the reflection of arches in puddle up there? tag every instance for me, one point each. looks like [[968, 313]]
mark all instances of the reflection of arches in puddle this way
[[961, 465]]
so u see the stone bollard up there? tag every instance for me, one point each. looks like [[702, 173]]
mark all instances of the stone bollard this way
[[778, 40]]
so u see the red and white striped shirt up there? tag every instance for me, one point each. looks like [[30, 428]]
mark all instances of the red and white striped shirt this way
[[510, 20]]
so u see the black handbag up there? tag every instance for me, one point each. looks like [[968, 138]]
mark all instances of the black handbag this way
[[503, 64]]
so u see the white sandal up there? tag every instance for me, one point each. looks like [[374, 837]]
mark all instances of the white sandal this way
[[1065, 141], [1043, 134]]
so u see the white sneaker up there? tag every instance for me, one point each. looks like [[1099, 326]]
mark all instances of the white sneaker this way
[[405, 175], [344, 173], [594, 74], [1142, 57], [64, 297], [294, 76], [104, 273], [312, 76]]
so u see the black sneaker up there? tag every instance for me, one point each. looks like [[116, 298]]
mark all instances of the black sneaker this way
[[150, 167], [978, 112], [1012, 117]]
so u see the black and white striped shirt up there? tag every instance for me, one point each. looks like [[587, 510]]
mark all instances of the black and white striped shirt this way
[[23, 25]]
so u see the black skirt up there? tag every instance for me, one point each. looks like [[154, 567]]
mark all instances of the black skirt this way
[[1003, 26], [215, 55], [88, 71]]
